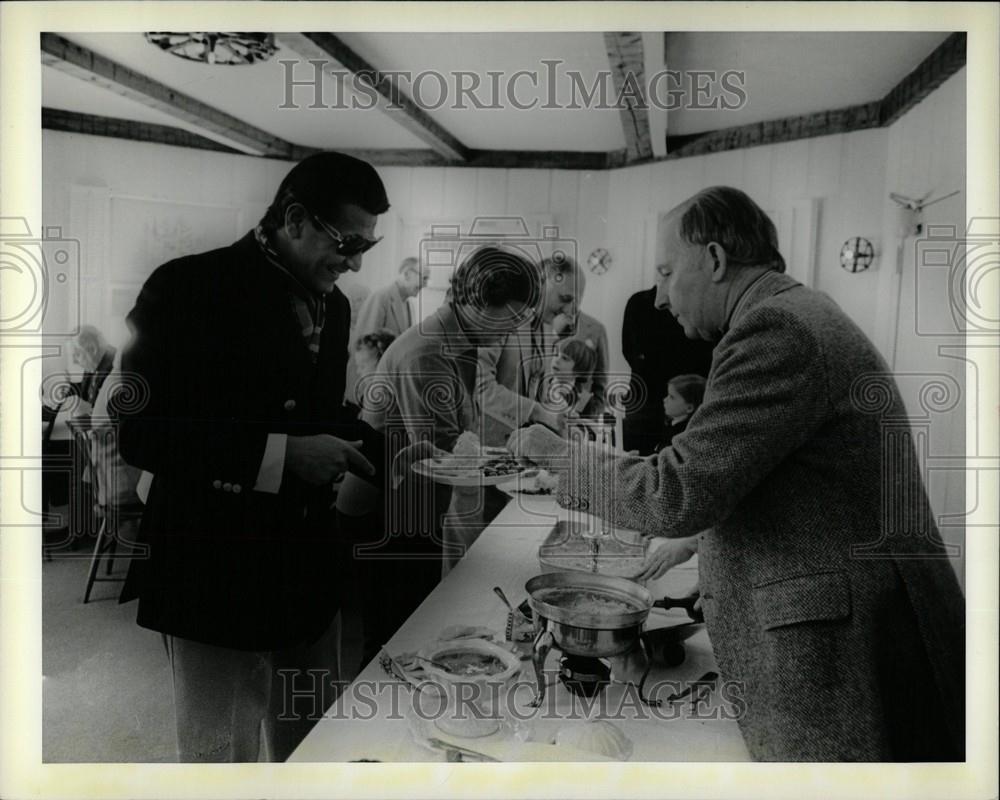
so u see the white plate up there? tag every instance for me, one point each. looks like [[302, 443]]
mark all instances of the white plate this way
[[424, 729], [462, 471]]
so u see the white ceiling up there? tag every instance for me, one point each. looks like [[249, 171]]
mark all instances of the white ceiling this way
[[786, 74], [796, 73]]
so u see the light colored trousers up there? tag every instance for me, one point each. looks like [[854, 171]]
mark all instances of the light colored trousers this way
[[239, 706]]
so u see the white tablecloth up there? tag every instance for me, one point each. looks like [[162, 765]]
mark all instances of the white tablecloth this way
[[369, 721]]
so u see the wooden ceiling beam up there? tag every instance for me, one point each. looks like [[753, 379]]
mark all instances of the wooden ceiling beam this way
[[56, 119], [786, 129], [393, 101], [628, 75], [94, 125], [83, 63], [947, 59]]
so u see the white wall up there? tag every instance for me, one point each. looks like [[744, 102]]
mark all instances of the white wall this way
[[918, 330], [134, 205], [844, 173]]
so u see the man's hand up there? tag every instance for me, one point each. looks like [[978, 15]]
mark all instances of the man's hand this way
[[540, 445], [318, 459], [666, 553]]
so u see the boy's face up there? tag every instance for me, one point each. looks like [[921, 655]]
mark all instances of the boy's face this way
[[674, 405], [562, 365]]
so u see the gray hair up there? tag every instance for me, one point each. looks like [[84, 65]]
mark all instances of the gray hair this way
[[732, 219], [89, 336], [411, 262]]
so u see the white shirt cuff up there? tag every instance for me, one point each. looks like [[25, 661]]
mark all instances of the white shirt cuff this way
[[272, 465]]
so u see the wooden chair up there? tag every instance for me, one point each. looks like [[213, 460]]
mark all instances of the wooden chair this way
[[117, 503]]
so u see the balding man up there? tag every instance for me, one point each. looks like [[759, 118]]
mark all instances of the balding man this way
[[827, 591], [387, 309]]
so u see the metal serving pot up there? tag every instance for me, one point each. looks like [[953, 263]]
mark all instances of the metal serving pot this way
[[595, 635]]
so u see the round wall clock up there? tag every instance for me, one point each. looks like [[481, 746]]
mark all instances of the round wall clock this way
[[857, 254], [599, 261]]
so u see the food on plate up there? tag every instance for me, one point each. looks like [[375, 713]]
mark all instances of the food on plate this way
[[502, 465], [469, 662], [542, 482], [587, 601], [595, 736]]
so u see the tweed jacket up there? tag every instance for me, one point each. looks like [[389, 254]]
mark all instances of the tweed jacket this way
[[218, 363], [816, 595]]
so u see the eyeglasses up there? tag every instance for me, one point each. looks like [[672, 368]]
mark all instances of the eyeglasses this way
[[354, 244]]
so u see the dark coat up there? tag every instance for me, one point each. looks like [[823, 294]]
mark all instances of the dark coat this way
[[656, 349], [839, 614], [219, 362]]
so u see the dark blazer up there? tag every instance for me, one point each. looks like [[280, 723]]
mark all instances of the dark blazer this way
[[838, 615], [656, 349], [219, 362]]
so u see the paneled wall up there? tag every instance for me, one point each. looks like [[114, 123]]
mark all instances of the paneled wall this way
[[922, 326], [134, 205], [842, 175]]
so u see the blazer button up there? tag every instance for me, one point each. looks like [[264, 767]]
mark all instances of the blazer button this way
[[237, 488], [227, 487], [289, 405], [216, 484]]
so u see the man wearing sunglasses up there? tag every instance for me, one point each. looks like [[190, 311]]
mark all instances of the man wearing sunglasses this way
[[238, 356]]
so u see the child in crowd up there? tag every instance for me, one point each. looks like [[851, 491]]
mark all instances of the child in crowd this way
[[684, 395], [568, 381]]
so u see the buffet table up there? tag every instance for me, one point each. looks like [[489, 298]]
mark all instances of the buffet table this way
[[373, 717]]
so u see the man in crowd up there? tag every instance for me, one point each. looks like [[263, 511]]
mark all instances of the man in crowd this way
[[238, 357], [387, 309], [426, 385], [657, 350], [509, 372], [825, 585]]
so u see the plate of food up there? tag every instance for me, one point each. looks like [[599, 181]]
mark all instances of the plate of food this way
[[487, 469], [533, 483]]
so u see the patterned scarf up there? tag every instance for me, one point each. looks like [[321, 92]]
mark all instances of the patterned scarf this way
[[309, 308]]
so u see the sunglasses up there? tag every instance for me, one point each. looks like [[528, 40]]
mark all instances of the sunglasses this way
[[354, 244]]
